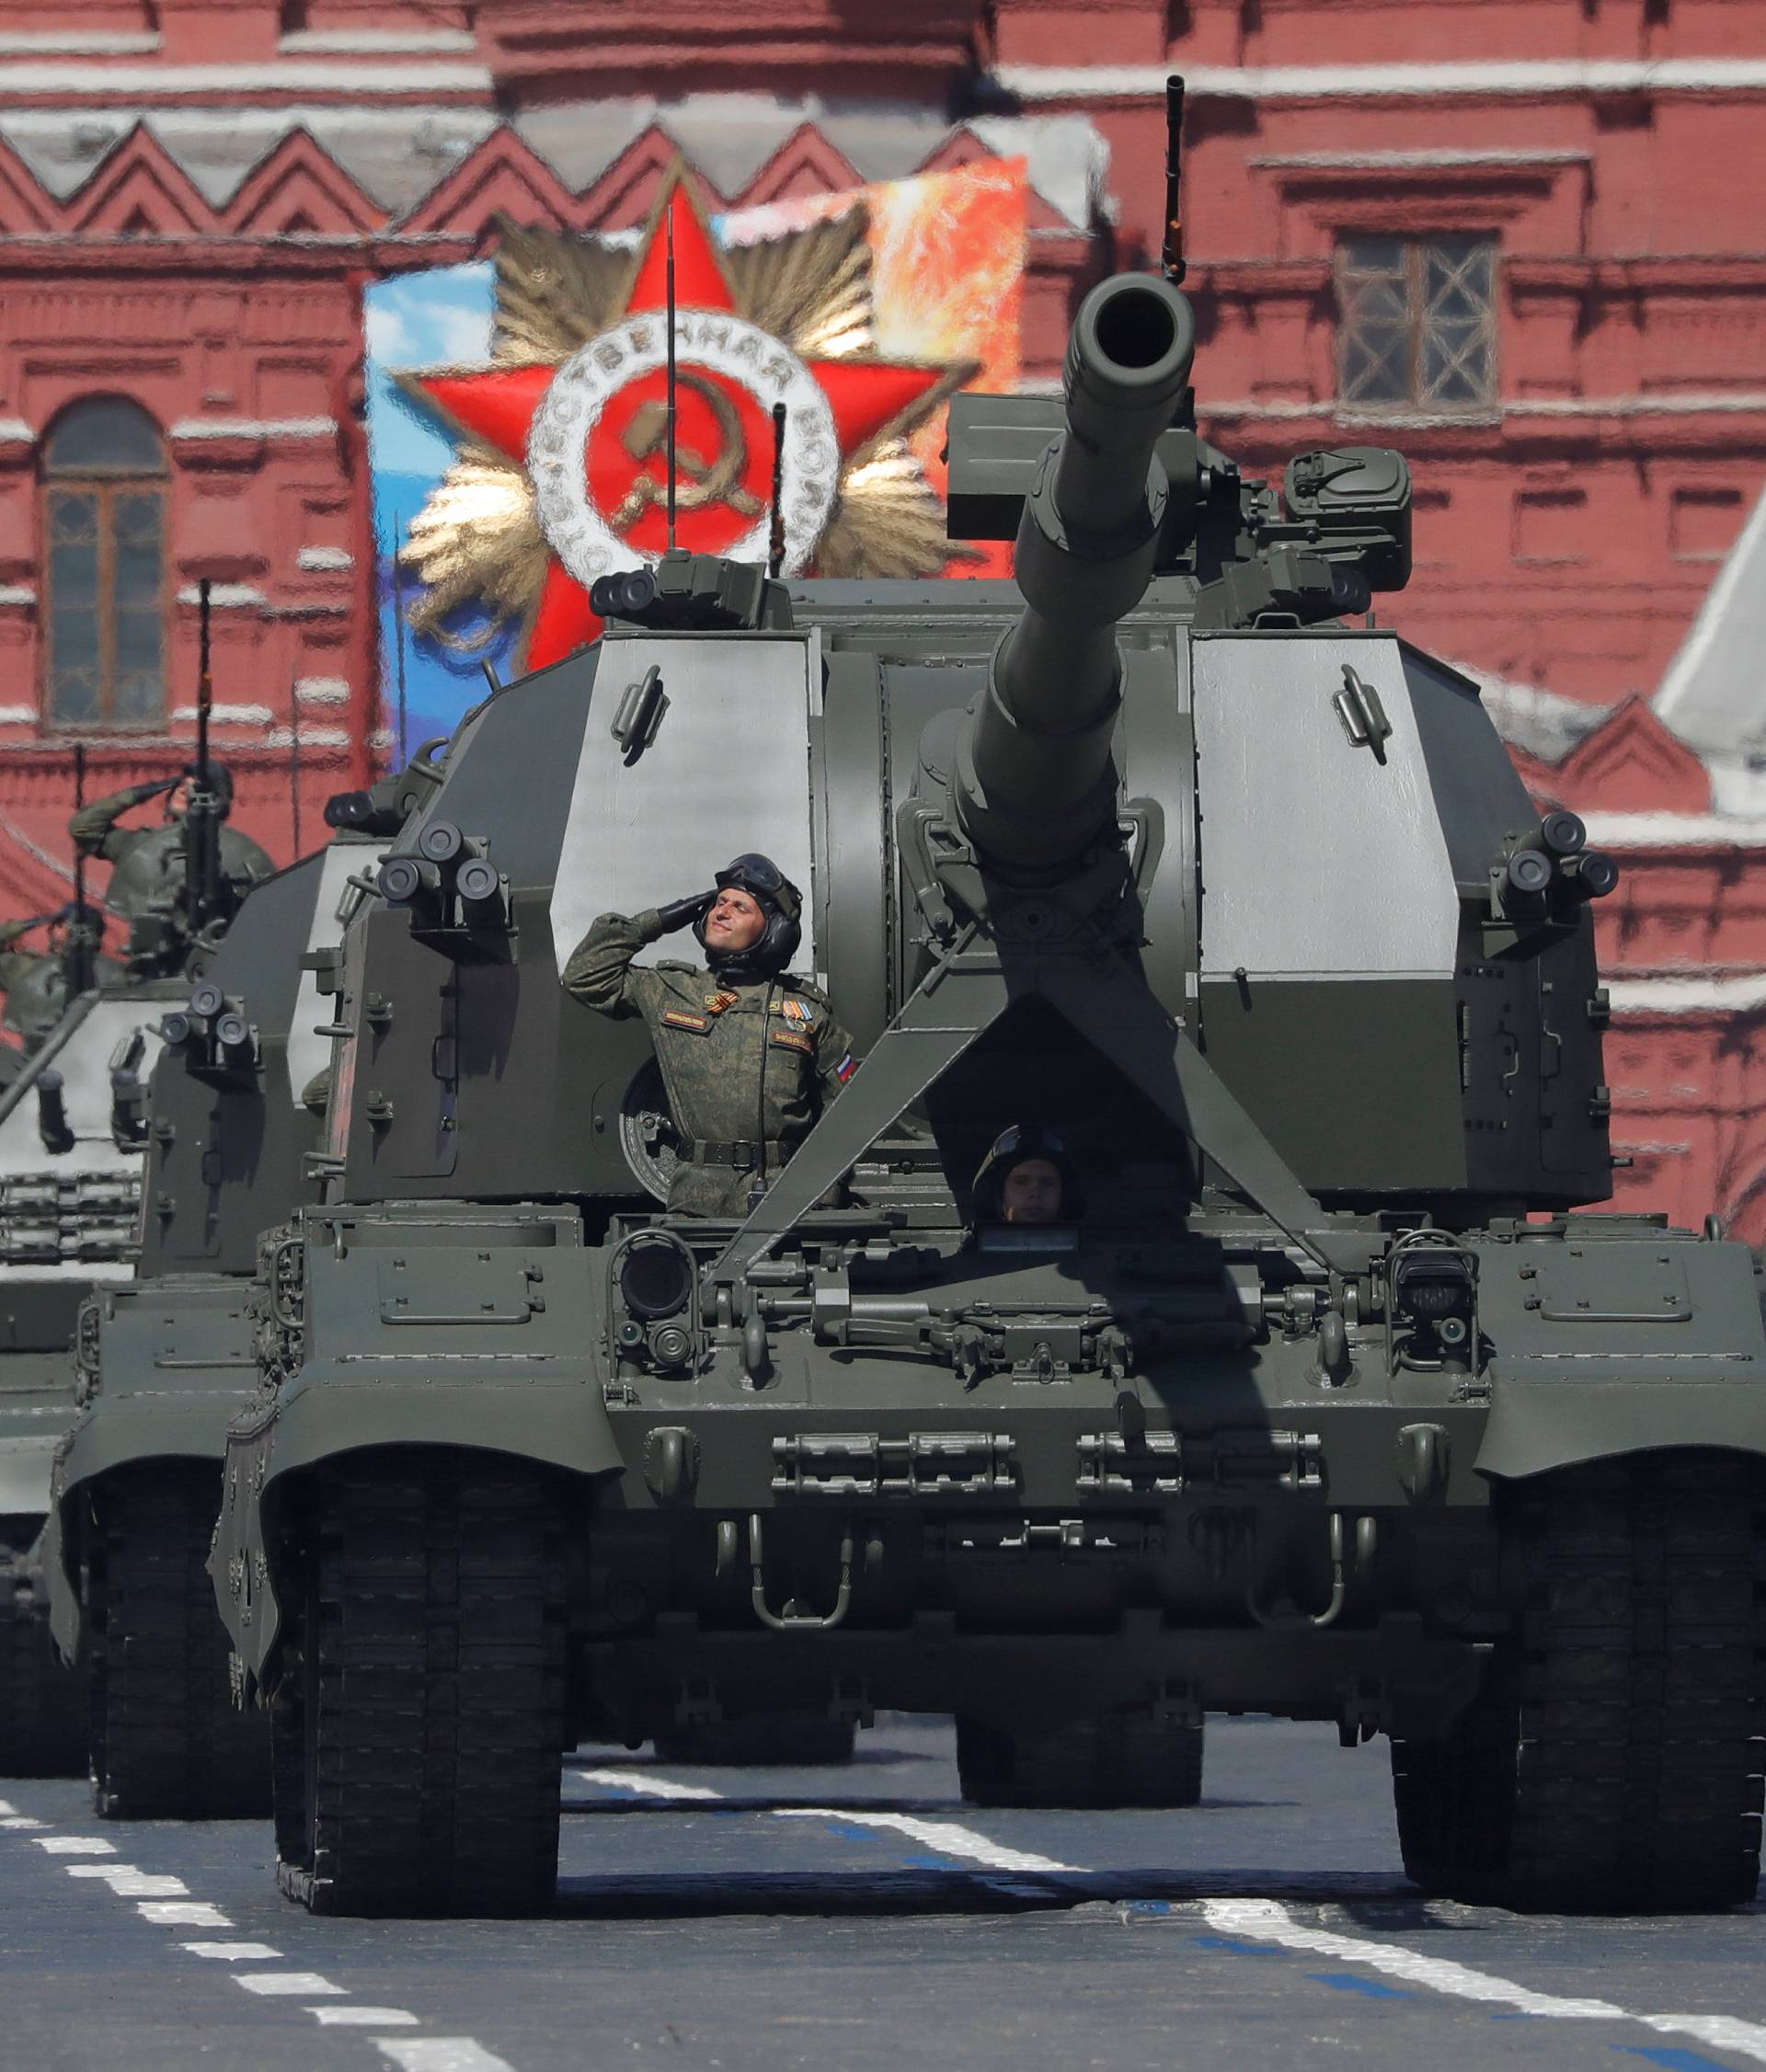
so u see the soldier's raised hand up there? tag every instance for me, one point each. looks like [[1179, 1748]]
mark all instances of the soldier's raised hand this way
[[681, 913]]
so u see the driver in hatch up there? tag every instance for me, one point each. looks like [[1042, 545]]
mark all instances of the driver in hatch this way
[[1028, 1177], [750, 1053]]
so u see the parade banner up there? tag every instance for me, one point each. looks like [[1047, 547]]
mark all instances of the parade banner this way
[[517, 411]]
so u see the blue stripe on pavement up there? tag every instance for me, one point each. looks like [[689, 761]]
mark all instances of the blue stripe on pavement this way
[[1352, 1982]]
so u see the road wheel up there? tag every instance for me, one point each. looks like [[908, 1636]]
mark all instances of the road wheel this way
[[791, 1740], [168, 1742], [1615, 1763], [428, 1705], [1127, 1757], [42, 1711]]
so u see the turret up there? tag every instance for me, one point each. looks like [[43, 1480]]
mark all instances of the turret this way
[[1033, 779]]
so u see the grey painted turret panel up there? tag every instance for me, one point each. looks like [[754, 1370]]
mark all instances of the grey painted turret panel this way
[[728, 770], [1318, 858]]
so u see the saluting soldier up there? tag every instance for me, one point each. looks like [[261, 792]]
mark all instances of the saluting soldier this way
[[148, 861], [750, 1053]]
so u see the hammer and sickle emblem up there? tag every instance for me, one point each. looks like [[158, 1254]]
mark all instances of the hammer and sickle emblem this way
[[718, 481]]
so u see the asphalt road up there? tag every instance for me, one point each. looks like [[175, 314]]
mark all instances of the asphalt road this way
[[861, 1918]]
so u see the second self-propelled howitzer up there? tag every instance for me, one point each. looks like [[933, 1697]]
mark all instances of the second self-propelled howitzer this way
[[1324, 1395]]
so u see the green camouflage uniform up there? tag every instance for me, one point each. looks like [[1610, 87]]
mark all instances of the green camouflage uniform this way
[[31, 980], [745, 1065], [148, 872], [35, 984]]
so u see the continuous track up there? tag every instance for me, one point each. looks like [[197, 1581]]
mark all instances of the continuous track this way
[[1615, 1762], [423, 1714], [166, 1742]]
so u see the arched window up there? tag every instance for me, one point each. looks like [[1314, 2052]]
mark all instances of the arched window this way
[[104, 535]]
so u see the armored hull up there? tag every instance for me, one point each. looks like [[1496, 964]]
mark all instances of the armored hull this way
[[1334, 1403], [167, 1359], [70, 1191]]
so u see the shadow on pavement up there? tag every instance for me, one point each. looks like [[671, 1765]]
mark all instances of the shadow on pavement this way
[[960, 1890]]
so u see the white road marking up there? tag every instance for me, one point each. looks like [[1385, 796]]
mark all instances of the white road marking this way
[[287, 1982], [1267, 1920], [439, 2054], [652, 1787], [152, 1893], [132, 1885], [182, 1914], [129, 1883], [945, 1836]]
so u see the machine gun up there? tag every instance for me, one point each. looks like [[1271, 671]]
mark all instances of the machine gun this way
[[205, 896]]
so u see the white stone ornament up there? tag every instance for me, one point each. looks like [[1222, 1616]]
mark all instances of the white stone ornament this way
[[581, 533]]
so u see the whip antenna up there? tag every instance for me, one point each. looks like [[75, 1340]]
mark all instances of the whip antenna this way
[[670, 399], [398, 636], [204, 685], [294, 766], [775, 537], [1171, 262]]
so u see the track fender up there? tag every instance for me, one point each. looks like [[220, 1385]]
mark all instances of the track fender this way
[[1535, 1427], [1613, 1339], [61, 1588], [556, 1423]]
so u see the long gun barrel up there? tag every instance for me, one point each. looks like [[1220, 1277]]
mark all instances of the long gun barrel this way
[[1034, 779]]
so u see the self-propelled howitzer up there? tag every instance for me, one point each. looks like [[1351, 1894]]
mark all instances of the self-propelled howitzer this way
[[1331, 1403]]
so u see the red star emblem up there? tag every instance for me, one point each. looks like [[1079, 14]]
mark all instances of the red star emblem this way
[[724, 436]]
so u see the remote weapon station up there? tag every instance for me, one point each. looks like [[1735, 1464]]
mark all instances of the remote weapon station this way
[[1332, 1403]]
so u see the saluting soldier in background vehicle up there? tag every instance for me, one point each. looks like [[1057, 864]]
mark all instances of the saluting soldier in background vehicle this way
[[148, 863], [750, 1053]]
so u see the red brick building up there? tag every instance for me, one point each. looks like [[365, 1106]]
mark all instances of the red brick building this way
[[1520, 238]]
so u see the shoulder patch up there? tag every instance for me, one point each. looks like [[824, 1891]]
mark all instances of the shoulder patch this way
[[794, 1039], [846, 1067], [678, 1018]]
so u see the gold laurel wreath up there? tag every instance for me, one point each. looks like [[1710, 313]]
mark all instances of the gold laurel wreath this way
[[477, 539]]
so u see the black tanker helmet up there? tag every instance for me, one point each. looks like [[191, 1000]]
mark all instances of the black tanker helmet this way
[[219, 782], [781, 904], [1013, 1147]]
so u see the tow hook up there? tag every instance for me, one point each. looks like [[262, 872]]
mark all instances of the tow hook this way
[[790, 1620], [1366, 1541]]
